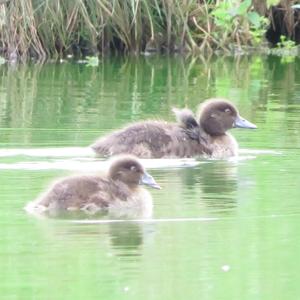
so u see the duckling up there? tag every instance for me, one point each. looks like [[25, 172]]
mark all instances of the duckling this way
[[118, 192], [205, 135]]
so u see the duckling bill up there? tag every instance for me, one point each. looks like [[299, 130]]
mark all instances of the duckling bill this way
[[205, 135], [118, 192]]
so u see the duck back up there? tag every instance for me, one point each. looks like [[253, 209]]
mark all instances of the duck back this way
[[89, 193], [153, 139]]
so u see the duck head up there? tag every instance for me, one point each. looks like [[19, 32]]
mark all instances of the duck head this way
[[216, 116], [130, 171]]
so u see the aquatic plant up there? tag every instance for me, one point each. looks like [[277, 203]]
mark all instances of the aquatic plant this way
[[286, 43], [92, 61]]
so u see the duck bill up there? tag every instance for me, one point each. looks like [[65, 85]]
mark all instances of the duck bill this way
[[243, 123], [147, 179]]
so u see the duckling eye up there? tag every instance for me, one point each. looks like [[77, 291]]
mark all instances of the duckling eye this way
[[132, 168], [227, 110]]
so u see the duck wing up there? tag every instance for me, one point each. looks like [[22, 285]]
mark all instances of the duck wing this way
[[143, 139], [188, 122], [185, 118], [76, 191]]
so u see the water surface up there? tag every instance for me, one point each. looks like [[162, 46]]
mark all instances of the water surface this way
[[220, 229]]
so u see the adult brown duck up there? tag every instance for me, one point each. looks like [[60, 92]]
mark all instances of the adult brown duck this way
[[205, 135], [117, 192]]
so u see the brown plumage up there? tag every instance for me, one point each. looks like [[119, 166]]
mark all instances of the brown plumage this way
[[116, 192], [202, 136]]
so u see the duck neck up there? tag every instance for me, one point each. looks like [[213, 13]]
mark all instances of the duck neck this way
[[211, 134], [121, 189], [128, 185]]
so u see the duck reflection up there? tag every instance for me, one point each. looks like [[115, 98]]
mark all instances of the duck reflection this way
[[211, 186], [216, 177], [119, 238], [219, 182], [124, 238], [219, 177], [127, 238]]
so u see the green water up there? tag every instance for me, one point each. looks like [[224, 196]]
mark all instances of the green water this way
[[220, 230]]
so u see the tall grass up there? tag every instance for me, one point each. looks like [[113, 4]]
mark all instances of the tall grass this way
[[51, 28]]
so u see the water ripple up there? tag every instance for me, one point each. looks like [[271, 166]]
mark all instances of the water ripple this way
[[83, 158], [94, 164]]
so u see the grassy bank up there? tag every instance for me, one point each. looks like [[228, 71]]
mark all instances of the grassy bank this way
[[52, 28]]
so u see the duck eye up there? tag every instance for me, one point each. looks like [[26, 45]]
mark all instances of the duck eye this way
[[132, 168], [227, 110]]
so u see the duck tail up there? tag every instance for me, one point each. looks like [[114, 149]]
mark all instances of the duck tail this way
[[185, 117]]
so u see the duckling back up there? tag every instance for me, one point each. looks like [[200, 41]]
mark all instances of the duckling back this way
[[89, 193], [92, 195], [143, 139], [153, 139]]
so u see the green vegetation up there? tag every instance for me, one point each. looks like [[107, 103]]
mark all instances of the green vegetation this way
[[92, 61], [56, 28], [286, 43], [239, 23], [286, 48]]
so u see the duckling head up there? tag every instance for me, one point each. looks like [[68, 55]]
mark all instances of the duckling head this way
[[218, 115], [130, 171]]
